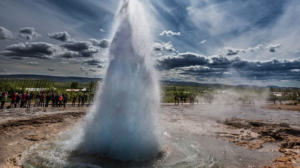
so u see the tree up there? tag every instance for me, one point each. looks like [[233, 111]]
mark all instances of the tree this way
[[74, 85]]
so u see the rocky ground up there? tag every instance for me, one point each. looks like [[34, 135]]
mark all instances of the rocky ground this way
[[257, 136], [22, 128]]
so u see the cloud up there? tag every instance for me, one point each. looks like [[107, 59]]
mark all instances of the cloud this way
[[94, 70], [3, 70], [100, 43], [39, 50], [170, 33], [78, 49], [82, 69], [163, 47], [61, 36], [93, 62], [181, 60], [101, 30], [69, 54], [5, 34], [76, 45], [229, 51], [273, 47], [51, 69], [100, 66], [29, 33], [32, 63], [63, 63], [203, 41]]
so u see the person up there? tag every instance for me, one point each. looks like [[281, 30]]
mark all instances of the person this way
[[12, 103], [37, 100], [197, 99], [74, 100], [65, 99], [176, 99], [26, 100], [30, 97], [42, 100], [23, 99], [60, 100], [82, 99], [57, 99], [18, 98], [53, 99], [3, 99], [48, 98], [79, 100]]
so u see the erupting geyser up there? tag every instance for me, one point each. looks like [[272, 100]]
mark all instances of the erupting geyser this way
[[123, 122]]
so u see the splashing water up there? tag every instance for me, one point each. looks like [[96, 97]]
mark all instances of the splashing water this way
[[124, 124]]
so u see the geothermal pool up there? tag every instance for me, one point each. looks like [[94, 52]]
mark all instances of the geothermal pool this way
[[189, 137]]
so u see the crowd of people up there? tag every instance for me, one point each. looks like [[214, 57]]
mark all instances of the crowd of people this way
[[182, 99], [42, 99]]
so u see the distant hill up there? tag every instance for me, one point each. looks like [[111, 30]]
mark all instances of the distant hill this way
[[53, 78]]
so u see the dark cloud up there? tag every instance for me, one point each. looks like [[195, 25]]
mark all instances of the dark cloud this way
[[100, 66], [39, 50], [273, 47], [181, 60], [61, 36], [76, 45], [94, 70], [79, 49], [5, 34], [51, 69], [93, 62], [100, 43], [29, 33]]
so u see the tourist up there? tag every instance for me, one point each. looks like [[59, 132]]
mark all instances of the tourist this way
[[53, 99], [57, 99], [23, 99], [26, 100], [74, 100], [13, 99], [65, 99], [79, 100], [37, 100], [3, 99], [60, 100], [48, 99], [18, 98], [42, 100], [83, 99], [30, 97]]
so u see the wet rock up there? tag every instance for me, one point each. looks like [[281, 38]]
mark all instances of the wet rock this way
[[14, 162], [268, 139], [35, 138], [251, 145]]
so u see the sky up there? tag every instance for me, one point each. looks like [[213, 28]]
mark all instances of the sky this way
[[235, 42]]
